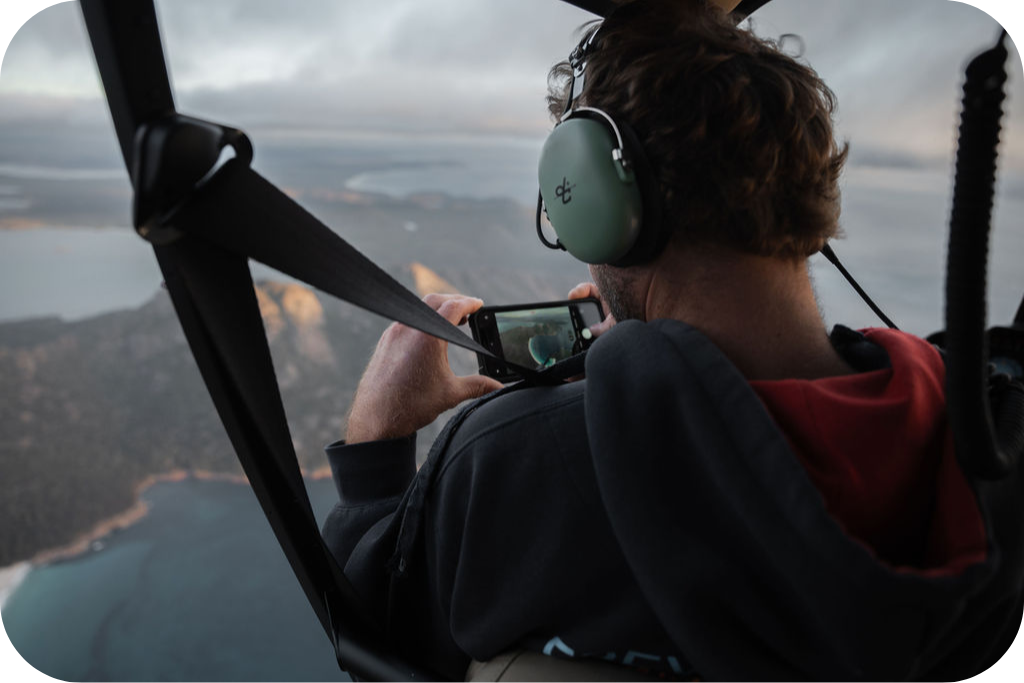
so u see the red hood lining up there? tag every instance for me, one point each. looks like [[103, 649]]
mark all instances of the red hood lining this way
[[877, 446]]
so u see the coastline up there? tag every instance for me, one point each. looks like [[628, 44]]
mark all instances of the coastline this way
[[11, 576]]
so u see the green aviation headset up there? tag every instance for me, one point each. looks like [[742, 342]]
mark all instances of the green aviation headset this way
[[596, 185], [599, 192]]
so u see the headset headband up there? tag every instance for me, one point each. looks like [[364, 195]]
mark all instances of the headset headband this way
[[615, 218], [578, 63], [611, 122]]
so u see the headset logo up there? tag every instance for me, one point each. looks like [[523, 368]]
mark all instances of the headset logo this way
[[564, 191]]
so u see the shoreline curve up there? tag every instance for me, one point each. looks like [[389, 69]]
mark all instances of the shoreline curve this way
[[12, 575]]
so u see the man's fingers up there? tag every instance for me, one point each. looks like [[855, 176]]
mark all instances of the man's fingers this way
[[584, 290], [435, 300], [455, 308], [603, 326], [475, 386], [588, 290]]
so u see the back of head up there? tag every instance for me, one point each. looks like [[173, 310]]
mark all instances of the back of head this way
[[737, 133]]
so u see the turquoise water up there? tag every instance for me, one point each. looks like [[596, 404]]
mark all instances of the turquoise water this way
[[197, 590]]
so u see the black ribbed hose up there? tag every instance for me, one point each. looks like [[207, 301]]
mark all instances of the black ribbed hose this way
[[983, 450]]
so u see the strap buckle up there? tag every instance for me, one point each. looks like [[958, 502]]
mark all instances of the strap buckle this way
[[174, 156]]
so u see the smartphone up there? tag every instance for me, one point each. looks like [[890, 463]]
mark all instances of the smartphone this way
[[533, 335]]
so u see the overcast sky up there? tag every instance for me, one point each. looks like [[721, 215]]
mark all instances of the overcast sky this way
[[478, 66]]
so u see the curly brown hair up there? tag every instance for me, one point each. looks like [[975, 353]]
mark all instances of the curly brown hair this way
[[738, 134]]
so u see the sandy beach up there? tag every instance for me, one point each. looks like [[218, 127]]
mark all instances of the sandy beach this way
[[137, 511], [13, 575], [10, 578]]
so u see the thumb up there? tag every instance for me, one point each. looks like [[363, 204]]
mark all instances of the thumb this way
[[475, 386], [603, 326]]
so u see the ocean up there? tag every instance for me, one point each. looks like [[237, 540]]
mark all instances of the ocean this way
[[78, 257], [894, 223], [198, 589]]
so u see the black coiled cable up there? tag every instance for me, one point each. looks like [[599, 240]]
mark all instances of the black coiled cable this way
[[986, 450]]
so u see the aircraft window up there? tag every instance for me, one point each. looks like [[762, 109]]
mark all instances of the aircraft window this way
[[412, 129]]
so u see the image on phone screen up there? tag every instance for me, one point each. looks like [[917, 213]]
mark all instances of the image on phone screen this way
[[541, 337], [536, 336]]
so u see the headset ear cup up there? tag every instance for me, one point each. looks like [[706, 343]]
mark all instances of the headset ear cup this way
[[603, 211], [653, 231], [592, 200]]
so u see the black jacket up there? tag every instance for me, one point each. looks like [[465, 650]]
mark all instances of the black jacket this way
[[564, 519]]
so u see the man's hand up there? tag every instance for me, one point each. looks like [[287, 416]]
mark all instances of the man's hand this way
[[408, 381], [588, 290]]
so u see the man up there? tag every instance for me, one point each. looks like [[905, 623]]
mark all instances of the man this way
[[731, 492]]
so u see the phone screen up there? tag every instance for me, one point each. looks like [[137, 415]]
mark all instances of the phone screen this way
[[535, 336], [541, 337]]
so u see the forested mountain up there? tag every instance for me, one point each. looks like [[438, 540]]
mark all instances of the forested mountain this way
[[89, 409]]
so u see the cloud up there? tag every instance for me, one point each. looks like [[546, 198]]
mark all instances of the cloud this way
[[465, 65], [50, 55], [897, 70], [400, 64]]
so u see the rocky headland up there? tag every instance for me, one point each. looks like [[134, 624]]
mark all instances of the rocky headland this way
[[94, 411]]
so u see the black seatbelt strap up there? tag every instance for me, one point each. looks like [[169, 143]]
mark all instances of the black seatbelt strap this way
[[126, 41], [212, 291], [213, 294], [241, 211]]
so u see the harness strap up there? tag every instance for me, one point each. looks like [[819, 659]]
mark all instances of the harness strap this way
[[206, 271]]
